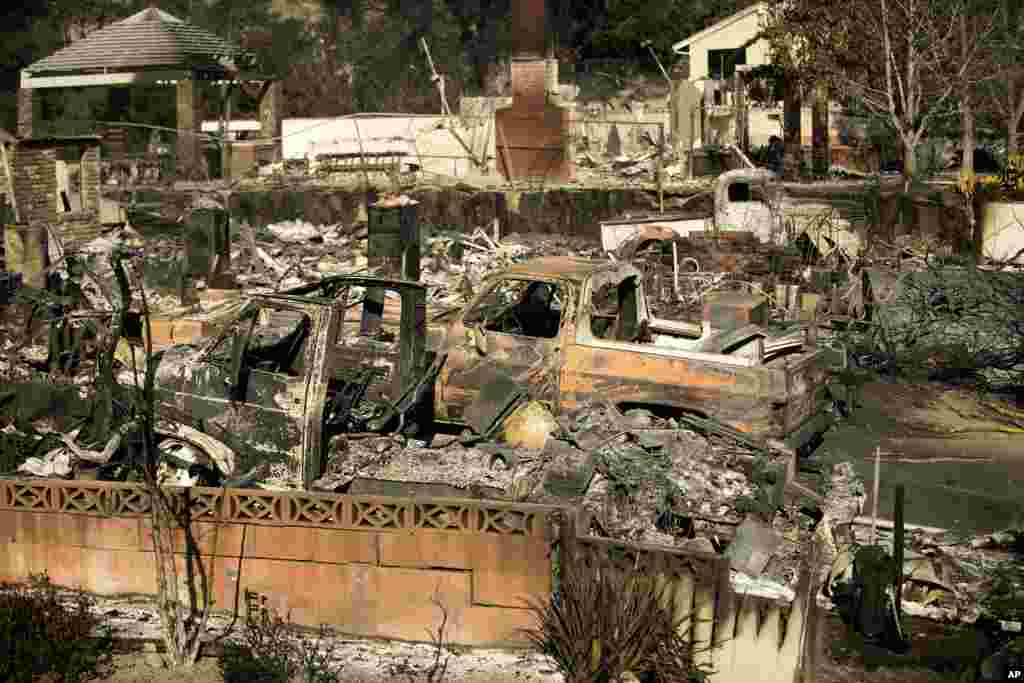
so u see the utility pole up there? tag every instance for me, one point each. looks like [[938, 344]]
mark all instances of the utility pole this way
[[671, 94]]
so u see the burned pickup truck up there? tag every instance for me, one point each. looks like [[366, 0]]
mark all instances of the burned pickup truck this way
[[576, 331], [293, 370]]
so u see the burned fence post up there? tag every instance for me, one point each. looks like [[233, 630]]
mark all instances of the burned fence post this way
[[207, 252], [660, 172], [897, 546], [393, 240]]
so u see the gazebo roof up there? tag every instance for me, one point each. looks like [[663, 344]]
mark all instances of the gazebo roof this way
[[146, 40]]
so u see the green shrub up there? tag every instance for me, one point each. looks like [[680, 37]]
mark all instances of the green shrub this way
[[42, 632], [605, 621]]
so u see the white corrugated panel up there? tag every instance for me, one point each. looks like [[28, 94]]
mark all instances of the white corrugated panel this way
[[306, 138]]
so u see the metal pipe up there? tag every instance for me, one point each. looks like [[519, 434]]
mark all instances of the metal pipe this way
[[874, 496], [897, 547], [675, 270]]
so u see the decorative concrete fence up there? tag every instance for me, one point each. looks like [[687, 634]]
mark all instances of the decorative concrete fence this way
[[370, 566], [753, 638], [380, 566], [1002, 225]]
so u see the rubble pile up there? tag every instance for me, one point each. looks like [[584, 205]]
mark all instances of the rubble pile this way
[[639, 167], [637, 476], [466, 471], [955, 579], [293, 253]]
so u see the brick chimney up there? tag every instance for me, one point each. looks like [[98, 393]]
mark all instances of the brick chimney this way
[[533, 132]]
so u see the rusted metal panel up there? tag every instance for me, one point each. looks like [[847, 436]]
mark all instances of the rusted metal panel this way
[[569, 268], [733, 395]]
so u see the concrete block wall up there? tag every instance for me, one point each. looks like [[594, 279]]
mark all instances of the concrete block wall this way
[[369, 566], [751, 638], [377, 566]]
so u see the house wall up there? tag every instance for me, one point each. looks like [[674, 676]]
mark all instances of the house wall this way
[[376, 566], [729, 36], [590, 124], [765, 123]]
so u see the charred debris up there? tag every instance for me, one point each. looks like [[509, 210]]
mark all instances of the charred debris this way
[[671, 384]]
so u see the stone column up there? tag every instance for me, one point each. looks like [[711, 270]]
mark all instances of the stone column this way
[[189, 147], [792, 136], [90, 179], [820, 133], [116, 137], [270, 115], [686, 99], [28, 107], [551, 79]]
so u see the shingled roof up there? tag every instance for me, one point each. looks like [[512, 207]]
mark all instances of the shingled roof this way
[[149, 39]]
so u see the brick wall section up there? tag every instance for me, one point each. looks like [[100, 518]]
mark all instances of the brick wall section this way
[[35, 182], [35, 185], [529, 26], [366, 565], [90, 179], [532, 134], [28, 103], [529, 84]]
